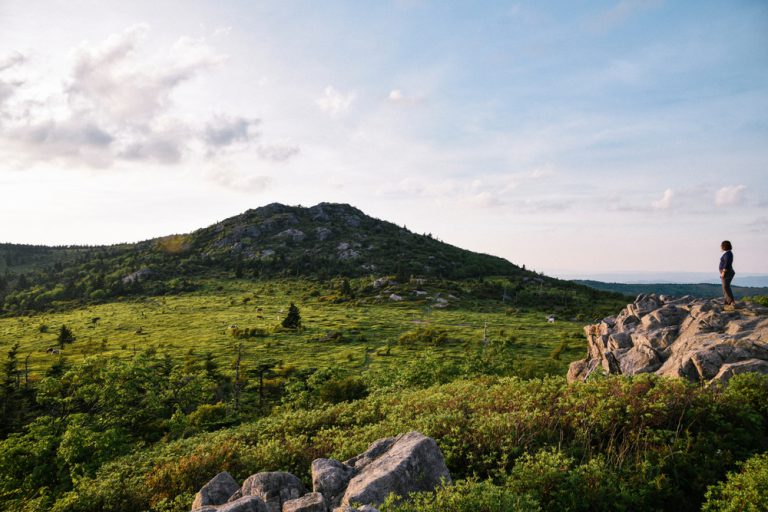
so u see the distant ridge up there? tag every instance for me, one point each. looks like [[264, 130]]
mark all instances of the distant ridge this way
[[702, 290]]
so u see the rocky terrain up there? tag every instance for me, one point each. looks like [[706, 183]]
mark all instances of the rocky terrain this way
[[407, 463], [698, 339]]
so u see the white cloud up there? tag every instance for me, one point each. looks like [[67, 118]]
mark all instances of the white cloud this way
[[729, 196], [334, 102], [665, 202], [228, 177], [397, 97], [116, 104]]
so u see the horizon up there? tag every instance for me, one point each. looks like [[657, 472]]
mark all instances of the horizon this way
[[613, 138]]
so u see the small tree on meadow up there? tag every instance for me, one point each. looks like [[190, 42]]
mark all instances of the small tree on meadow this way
[[65, 336], [293, 319]]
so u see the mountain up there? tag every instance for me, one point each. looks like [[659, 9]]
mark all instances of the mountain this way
[[323, 241], [702, 290]]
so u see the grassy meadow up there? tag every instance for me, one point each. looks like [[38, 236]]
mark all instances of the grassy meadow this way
[[355, 334]]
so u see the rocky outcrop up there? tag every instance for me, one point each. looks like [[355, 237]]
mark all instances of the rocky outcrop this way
[[395, 465], [697, 339]]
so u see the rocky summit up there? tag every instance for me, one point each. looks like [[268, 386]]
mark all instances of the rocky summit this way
[[399, 465], [697, 339]]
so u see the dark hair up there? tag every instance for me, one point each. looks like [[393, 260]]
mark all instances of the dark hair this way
[[726, 245]]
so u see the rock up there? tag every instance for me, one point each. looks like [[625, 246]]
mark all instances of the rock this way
[[274, 488], [362, 508], [138, 276], [750, 365], [217, 491], [312, 502], [245, 504], [395, 297], [330, 477], [686, 337], [322, 233], [410, 463]]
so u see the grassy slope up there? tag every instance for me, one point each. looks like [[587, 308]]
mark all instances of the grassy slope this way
[[199, 320]]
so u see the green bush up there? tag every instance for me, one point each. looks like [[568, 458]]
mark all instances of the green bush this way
[[745, 491], [463, 496], [428, 335]]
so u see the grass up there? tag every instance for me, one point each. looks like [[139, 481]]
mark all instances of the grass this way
[[355, 334]]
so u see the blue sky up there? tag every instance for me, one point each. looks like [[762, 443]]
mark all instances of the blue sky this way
[[573, 137]]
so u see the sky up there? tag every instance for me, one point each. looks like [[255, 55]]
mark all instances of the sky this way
[[576, 138]]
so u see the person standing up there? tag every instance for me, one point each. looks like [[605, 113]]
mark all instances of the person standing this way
[[726, 272]]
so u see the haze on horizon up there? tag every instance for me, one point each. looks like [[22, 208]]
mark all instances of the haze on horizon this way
[[609, 137]]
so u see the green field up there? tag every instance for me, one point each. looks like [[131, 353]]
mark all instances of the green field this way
[[355, 334]]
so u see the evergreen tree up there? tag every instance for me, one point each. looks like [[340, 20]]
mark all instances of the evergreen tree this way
[[9, 392], [293, 318], [65, 336]]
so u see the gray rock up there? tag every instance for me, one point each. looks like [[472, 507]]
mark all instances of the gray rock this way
[[216, 492], [730, 369], [410, 463], [274, 488], [245, 504], [330, 477], [312, 502], [690, 338]]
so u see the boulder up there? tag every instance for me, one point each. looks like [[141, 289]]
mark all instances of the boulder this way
[[410, 463], [216, 492], [244, 504], [312, 502], [274, 488], [686, 337], [330, 477]]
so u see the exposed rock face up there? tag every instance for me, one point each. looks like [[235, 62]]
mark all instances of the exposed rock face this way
[[407, 463], [217, 491], [692, 338], [274, 488]]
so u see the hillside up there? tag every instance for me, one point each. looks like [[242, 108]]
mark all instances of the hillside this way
[[702, 290], [320, 242]]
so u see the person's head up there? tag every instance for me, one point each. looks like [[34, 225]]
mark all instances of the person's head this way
[[726, 245]]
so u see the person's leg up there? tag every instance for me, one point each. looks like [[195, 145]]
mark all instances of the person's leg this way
[[727, 293]]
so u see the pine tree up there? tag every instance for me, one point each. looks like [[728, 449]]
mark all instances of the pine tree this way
[[65, 336], [293, 318]]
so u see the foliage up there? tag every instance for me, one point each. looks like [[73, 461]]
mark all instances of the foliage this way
[[293, 319], [65, 336], [642, 443], [757, 299], [428, 335], [746, 490], [463, 496]]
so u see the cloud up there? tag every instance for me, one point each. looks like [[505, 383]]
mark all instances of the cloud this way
[[277, 153], [334, 102], [226, 176], [620, 13], [116, 105], [665, 202], [397, 97], [729, 196], [225, 130]]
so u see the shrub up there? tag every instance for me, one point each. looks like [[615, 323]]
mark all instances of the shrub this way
[[428, 335], [745, 491]]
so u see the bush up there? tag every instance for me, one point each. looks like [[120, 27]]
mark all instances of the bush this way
[[464, 496], [428, 335], [745, 491]]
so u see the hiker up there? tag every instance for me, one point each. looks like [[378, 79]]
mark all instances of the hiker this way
[[726, 272]]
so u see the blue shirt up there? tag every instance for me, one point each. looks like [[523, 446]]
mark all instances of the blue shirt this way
[[726, 261]]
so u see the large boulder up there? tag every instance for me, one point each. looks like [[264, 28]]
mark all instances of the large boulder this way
[[696, 339], [244, 504], [330, 477], [312, 502], [409, 463], [275, 488], [216, 492]]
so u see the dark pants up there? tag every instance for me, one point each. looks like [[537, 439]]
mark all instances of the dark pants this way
[[726, 279]]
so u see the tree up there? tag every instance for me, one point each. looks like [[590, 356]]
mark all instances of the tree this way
[[9, 391], [65, 336], [346, 288], [293, 318]]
